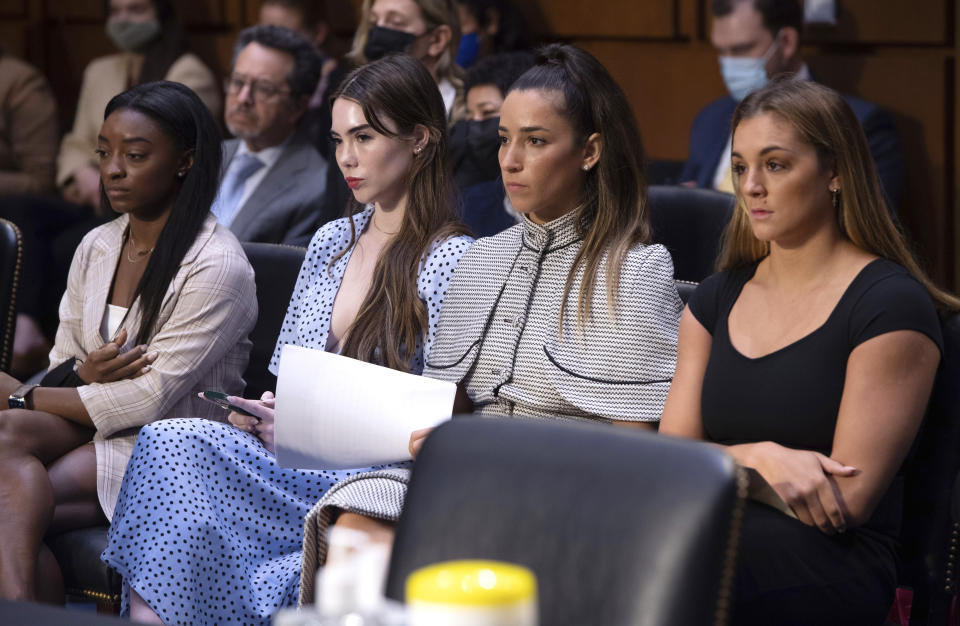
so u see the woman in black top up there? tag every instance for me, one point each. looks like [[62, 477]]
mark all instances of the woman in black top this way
[[810, 357]]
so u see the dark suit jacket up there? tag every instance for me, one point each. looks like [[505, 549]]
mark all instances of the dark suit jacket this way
[[290, 203], [711, 129], [482, 208]]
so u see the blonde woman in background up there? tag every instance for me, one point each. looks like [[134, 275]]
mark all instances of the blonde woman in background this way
[[427, 30]]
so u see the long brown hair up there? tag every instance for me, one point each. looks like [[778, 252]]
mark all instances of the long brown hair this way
[[613, 203], [823, 119], [392, 321]]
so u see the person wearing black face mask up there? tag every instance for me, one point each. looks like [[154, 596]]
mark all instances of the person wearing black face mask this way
[[427, 30], [382, 41], [475, 143], [473, 151]]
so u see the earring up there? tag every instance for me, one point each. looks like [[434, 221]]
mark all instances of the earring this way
[[835, 197], [181, 174], [418, 150], [586, 167]]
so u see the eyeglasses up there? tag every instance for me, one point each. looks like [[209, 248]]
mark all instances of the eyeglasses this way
[[260, 89]]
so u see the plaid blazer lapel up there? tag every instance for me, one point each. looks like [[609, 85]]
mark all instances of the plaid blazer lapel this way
[[102, 267]]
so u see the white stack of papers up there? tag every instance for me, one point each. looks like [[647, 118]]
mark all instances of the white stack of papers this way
[[334, 412]]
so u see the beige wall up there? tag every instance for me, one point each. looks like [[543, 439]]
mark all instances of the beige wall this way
[[901, 55]]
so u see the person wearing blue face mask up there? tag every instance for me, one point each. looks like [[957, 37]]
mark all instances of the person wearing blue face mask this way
[[758, 41], [427, 30], [744, 75], [490, 27]]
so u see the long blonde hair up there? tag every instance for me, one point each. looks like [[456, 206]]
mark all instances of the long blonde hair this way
[[823, 119], [435, 13]]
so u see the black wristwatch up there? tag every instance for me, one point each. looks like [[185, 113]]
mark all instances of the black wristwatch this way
[[18, 399]]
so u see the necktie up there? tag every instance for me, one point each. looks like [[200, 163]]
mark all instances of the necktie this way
[[231, 189]]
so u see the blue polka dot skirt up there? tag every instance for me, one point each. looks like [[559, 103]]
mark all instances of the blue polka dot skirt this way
[[208, 529]]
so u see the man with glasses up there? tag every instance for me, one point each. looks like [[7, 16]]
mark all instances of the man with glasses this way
[[274, 181]]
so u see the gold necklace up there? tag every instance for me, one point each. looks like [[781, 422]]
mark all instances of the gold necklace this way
[[373, 220], [140, 253]]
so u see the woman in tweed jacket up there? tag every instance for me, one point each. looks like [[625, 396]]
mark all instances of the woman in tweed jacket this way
[[159, 304], [570, 314]]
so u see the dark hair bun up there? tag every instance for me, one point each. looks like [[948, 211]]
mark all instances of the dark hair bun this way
[[552, 54]]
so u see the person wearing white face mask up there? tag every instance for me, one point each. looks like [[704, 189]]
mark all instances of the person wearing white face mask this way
[[758, 41], [152, 47]]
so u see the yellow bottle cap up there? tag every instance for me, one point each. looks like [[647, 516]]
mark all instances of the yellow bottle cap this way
[[473, 583]]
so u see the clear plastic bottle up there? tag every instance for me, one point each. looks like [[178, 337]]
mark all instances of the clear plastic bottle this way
[[350, 587]]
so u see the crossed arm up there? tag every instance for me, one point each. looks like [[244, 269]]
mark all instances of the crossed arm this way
[[887, 384], [107, 364]]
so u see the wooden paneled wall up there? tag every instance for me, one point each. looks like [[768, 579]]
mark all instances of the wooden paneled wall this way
[[901, 55]]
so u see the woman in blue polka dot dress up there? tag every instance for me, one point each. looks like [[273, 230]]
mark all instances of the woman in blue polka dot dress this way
[[207, 527]]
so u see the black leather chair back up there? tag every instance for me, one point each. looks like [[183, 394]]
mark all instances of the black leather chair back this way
[[685, 289], [931, 521], [690, 223], [664, 172], [11, 256], [619, 526], [275, 268]]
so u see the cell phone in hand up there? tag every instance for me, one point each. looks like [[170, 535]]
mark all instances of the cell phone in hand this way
[[220, 399]]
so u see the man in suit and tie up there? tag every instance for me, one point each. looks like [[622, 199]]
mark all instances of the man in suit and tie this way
[[758, 40], [274, 181]]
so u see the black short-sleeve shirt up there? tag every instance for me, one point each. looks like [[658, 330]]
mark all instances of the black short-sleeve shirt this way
[[792, 396]]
